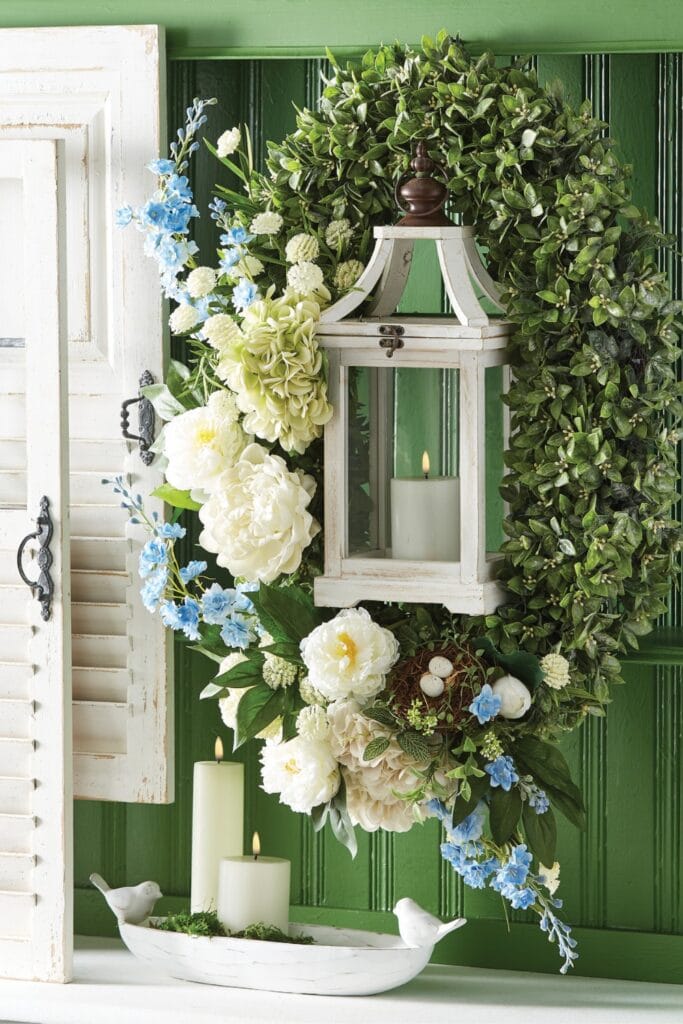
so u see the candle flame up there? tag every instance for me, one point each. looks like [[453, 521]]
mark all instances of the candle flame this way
[[425, 463], [218, 748], [256, 844]]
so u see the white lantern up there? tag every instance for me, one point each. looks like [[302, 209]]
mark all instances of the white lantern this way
[[419, 537]]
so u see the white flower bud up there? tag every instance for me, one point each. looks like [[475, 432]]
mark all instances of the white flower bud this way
[[515, 698]]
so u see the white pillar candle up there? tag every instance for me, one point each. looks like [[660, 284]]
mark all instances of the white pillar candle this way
[[217, 825], [253, 890], [425, 518]]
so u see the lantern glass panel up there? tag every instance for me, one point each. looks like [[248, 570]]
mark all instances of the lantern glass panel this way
[[394, 509]]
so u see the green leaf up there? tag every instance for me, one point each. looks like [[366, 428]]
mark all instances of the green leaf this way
[[166, 405], [547, 765], [287, 613], [541, 832], [381, 715], [213, 690], [414, 746], [375, 748], [574, 812], [258, 707], [463, 808], [178, 499], [246, 673], [504, 811], [521, 664]]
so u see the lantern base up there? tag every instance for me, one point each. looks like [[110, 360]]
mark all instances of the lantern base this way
[[476, 598]]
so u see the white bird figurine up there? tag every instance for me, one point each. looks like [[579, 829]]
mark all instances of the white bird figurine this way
[[418, 928], [131, 904]]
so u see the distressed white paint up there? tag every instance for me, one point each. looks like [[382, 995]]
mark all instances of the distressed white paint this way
[[35, 661], [99, 90], [468, 341]]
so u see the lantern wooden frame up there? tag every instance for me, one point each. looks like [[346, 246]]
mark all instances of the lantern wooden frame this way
[[470, 342]]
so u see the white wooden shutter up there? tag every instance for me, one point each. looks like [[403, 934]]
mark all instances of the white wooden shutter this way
[[99, 90], [35, 655]]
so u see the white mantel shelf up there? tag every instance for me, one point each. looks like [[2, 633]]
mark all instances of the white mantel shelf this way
[[110, 986]]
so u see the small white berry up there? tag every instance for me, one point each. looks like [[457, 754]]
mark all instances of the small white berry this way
[[440, 666], [431, 685]]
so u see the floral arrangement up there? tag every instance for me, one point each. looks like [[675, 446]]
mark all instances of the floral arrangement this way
[[381, 717]]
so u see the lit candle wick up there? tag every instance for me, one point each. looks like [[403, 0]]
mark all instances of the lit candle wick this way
[[425, 464], [256, 845], [218, 750]]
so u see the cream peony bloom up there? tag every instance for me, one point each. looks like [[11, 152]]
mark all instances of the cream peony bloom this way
[[275, 367], [338, 233], [256, 520], [302, 771], [201, 282], [267, 223], [349, 656], [220, 330], [228, 142], [305, 278], [555, 671], [347, 274], [202, 443], [183, 318], [302, 247]]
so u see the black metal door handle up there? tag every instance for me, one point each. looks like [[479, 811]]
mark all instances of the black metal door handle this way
[[42, 588], [145, 437]]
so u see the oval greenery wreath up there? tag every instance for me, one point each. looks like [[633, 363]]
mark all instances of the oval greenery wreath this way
[[590, 547]]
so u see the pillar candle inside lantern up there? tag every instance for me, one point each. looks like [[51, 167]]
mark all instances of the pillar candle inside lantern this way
[[425, 517]]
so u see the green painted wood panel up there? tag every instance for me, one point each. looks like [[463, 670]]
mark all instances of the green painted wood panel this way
[[621, 879]]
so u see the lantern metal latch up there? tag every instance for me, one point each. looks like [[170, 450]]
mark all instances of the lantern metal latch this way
[[145, 437], [42, 588], [391, 338]]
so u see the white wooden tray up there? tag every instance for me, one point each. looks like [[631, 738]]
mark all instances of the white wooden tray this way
[[343, 961]]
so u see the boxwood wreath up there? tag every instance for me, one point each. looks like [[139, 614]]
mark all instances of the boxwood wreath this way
[[591, 547]]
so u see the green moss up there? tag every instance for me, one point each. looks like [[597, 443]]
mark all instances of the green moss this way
[[207, 923]]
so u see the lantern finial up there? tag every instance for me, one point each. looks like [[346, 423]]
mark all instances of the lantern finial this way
[[422, 197]]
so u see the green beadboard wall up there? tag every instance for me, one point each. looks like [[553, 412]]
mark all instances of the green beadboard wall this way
[[622, 877]]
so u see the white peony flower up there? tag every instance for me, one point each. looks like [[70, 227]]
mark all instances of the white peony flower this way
[[228, 142], [267, 223], [349, 656], [201, 282], [202, 443], [302, 771], [220, 330], [256, 520], [347, 274], [277, 672], [183, 318], [312, 723], [302, 247], [305, 278], [555, 671], [338, 232]]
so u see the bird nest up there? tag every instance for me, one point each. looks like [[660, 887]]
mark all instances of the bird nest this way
[[460, 687]]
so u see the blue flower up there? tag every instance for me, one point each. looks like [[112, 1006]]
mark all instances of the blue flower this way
[[153, 555], [190, 571], [538, 800], [237, 632], [161, 166], [521, 899], [476, 873], [217, 604], [172, 531], [514, 871], [153, 215], [244, 294], [177, 218], [123, 216], [502, 772], [230, 258], [154, 587], [242, 602], [178, 185], [236, 236], [485, 705], [217, 208], [183, 616], [471, 827]]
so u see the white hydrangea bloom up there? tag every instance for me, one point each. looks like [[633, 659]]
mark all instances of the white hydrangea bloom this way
[[303, 772], [183, 318], [202, 443], [305, 277], [312, 724], [201, 282], [555, 671], [266, 223], [309, 694], [277, 672], [378, 807], [349, 656], [228, 142], [302, 247], [220, 330], [347, 274], [338, 233], [257, 520]]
